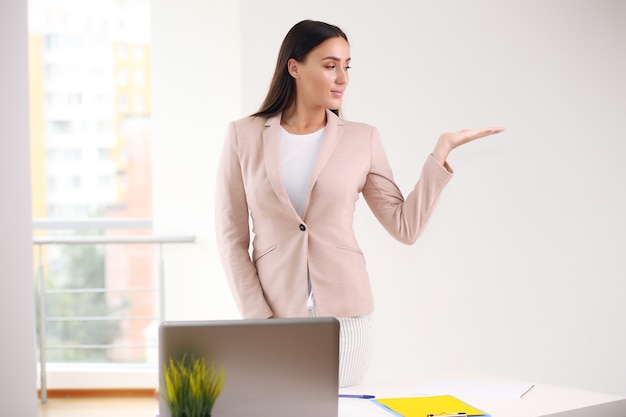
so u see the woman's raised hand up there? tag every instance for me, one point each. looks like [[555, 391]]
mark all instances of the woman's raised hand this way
[[448, 141]]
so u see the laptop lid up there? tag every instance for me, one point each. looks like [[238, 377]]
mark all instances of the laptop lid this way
[[273, 367]]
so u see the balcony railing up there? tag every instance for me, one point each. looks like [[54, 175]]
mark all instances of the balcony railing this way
[[100, 224]]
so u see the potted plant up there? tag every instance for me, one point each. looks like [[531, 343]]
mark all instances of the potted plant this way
[[192, 387]]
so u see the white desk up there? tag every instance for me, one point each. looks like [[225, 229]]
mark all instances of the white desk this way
[[541, 401]]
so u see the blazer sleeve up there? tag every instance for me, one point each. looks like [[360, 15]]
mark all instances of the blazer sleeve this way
[[233, 233], [404, 219]]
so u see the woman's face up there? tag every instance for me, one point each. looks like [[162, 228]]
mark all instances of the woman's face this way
[[323, 76]]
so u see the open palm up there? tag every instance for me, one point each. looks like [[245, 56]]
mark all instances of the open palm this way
[[448, 141]]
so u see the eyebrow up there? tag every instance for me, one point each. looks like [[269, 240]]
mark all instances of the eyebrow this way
[[334, 58]]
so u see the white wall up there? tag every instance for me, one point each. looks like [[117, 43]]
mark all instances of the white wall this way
[[196, 89], [522, 267], [18, 390]]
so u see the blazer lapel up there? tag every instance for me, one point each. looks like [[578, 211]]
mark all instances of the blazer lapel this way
[[334, 129], [271, 151]]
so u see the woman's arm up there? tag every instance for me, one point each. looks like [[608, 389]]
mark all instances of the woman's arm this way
[[405, 219], [233, 233]]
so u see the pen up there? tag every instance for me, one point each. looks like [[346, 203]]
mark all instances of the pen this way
[[448, 415], [361, 396]]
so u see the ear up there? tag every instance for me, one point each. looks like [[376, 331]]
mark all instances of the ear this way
[[292, 68]]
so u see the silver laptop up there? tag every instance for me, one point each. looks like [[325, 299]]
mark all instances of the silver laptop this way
[[273, 367]]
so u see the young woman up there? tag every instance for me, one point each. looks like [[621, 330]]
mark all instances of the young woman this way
[[296, 169]]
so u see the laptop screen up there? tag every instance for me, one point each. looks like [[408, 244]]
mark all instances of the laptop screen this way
[[273, 367]]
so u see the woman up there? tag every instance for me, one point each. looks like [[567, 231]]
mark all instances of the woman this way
[[296, 169]]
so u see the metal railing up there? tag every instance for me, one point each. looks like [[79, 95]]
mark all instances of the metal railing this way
[[103, 224]]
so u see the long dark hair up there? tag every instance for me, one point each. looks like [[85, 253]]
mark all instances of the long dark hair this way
[[299, 41]]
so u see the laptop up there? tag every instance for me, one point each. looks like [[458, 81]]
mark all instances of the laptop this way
[[273, 367]]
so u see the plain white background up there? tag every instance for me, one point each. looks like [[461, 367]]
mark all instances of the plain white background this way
[[521, 272]]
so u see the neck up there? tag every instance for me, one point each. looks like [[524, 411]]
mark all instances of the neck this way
[[301, 123]]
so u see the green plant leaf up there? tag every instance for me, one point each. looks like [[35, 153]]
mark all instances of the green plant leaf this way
[[192, 387]]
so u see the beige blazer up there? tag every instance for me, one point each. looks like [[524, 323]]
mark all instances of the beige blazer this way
[[271, 279]]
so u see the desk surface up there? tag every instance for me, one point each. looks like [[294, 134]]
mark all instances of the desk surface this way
[[541, 401]]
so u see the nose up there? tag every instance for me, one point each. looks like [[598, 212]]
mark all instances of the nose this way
[[342, 76]]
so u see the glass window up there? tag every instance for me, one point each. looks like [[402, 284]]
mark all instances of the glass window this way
[[59, 126], [122, 51], [139, 79], [100, 300], [74, 99], [104, 154], [139, 102], [105, 126], [122, 103], [138, 53], [122, 77]]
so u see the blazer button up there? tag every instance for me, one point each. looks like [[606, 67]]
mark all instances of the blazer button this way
[[302, 227]]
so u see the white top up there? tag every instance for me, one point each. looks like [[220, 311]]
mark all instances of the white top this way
[[298, 154]]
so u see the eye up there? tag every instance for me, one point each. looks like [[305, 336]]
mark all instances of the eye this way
[[347, 68], [332, 66]]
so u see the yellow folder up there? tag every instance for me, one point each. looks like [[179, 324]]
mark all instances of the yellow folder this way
[[438, 405]]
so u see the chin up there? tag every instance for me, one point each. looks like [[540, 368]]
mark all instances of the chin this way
[[335, 104]]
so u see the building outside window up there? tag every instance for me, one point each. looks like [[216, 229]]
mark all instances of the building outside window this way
[[91, 160]]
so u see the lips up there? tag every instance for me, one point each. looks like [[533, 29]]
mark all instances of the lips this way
[[337, 93]]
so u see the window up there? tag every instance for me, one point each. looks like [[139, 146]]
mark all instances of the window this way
[[122, 77], [105, 181], [139, 79], [104, 100], [122, 103], [59, 126], [121, 51], [91, 314], [74, 99], [60, 155], [51, 42], [105, 126], [138, 53], [139, 103], [104, 154]]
